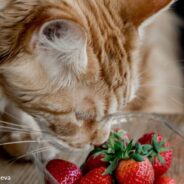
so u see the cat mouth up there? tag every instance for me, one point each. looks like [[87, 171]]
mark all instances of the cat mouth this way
[[84, 140], [82, 132]]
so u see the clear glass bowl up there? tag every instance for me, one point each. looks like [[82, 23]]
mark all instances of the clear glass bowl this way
[[137, 125]]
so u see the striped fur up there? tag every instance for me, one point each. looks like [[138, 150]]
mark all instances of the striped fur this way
[[73, 82]]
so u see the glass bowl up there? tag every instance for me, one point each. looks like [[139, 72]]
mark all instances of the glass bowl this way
[[136, 125]]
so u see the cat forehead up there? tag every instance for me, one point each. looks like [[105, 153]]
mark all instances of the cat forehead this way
[[18, 16], [22, 16], [21, 11]]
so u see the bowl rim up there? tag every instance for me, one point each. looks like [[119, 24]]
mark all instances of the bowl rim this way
[[115, 116], [153, 116]]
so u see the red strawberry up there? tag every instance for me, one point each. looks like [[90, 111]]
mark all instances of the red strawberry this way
[[133, 172], [64, 172], [96, 176], [162, 154], [124, 135], [94, 162], [161, 168], [165, 180], [120, 134], [147, 138]]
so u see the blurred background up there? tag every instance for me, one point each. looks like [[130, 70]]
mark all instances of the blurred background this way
[[179, 9]]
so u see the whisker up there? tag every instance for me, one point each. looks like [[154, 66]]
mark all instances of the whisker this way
[[33, 152], [12, 129], [141, 74], [171, 98], [45, 173], [13, 124], [17, 131], [14, 117], [40, 150], [22, 142], [176, 101], [162, 85], [139, 98], [18, 125]]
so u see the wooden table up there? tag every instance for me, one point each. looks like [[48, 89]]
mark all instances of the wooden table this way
[[26, 173]]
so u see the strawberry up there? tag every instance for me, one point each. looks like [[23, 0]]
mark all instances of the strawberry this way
[[161, 154], [94, 162], [161, 167], [124, 135], [133, 172], [96, 176], [165, 180], [107, 153], [64, 171], [118, 133], [130, 155], [147, 138]]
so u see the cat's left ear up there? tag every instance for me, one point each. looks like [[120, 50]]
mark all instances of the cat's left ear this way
[[141, 10], [65, 42], [61, 35]]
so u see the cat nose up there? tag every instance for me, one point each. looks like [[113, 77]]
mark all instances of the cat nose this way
[[101, 137], [102, 133]]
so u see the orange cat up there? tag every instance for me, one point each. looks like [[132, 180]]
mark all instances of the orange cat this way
[[69, 63]]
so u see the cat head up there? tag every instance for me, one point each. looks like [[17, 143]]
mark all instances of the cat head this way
[[70, 63]]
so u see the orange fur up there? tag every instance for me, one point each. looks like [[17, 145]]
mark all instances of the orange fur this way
[[107, 84]]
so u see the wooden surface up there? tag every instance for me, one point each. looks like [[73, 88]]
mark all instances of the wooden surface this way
[[27, 173]]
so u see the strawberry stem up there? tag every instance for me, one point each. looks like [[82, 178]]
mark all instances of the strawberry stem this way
[[118, 148]]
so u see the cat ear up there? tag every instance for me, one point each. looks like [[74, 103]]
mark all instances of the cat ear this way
[[62, 35], [65, 43], [140, 10]]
